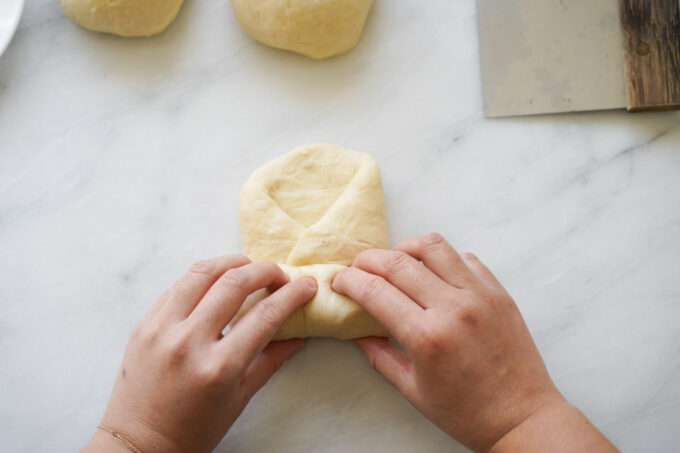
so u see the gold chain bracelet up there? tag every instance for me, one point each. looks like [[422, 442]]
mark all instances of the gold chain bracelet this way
[[128, 443]]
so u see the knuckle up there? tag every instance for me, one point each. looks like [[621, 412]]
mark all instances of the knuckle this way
[[269, 267], [363, 257], [397, 261], [468, 313], [450, 297], [269, 312], [241, 258], [372, 287], [149, 335], [202, 268], [209, 373], [176, 348], [176, 352], [433, 241], [233, 279], [469, 256], [427, 340]]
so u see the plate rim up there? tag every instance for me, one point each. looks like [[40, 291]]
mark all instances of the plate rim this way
[[12, 28]]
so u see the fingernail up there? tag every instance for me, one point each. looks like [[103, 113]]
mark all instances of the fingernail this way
[[335, 278], [310, 282]]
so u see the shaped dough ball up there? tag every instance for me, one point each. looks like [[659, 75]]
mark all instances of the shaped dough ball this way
[[126, 18], [313, 210], [315, 28]]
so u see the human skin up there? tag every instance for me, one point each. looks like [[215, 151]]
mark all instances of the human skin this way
[[182, 383], [468, 362]]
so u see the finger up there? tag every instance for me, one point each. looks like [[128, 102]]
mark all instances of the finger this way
[[257, 328], [226, 296], [388, 305], [389, 361], [153, 311], [268, 362], [406, 273], [440, 257], [156, 307], [188, 291], [480, 270]]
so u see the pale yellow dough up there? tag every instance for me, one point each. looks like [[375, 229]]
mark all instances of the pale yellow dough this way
[[313, 210], [329, 314], [126, 18], [315, 28]]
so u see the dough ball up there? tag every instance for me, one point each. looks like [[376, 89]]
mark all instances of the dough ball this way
[[329, 314], [123, 17], [315, 28], [313, 210]]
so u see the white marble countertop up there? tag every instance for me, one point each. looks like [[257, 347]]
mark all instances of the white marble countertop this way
[[120, 165]]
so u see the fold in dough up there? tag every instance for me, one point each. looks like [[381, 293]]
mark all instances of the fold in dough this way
[[315, 206], [329, 314]]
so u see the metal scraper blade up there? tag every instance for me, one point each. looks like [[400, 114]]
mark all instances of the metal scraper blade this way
[[550, 56]]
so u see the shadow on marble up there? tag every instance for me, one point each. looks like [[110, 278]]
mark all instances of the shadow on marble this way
[[141, 59], [647, 122], [310, 81], [331, 378]]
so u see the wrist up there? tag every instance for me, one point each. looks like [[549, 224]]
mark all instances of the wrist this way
[[102, 442], [138, 432], [557, 427]]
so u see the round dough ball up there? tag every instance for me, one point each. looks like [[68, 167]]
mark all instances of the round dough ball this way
[[315, 28], [123, 17]]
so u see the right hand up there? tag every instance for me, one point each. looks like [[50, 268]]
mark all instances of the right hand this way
[[470, 364]]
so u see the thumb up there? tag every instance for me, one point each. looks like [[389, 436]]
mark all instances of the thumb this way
[[389, 361], [266, 364]]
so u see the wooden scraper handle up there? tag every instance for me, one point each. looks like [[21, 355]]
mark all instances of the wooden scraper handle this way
[[651, 53]]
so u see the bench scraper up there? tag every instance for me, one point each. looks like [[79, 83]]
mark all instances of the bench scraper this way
[[550, 56]]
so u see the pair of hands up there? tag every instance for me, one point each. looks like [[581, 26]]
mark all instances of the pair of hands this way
[[468, 361]]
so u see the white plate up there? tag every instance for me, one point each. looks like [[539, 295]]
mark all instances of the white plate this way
[[10, 12]]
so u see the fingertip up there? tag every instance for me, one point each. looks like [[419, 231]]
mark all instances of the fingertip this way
[[290, 346], [285, 349], [303, 290], [242, 258], [345, 275], [296, 344], [368, 344], [336, 283], [279, 277], [361, 343], [274, 268], [311, 283]]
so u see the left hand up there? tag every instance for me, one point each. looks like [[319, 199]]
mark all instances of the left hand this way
[[182, 383]]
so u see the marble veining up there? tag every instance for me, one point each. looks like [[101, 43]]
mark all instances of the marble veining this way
[[121, 162]]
